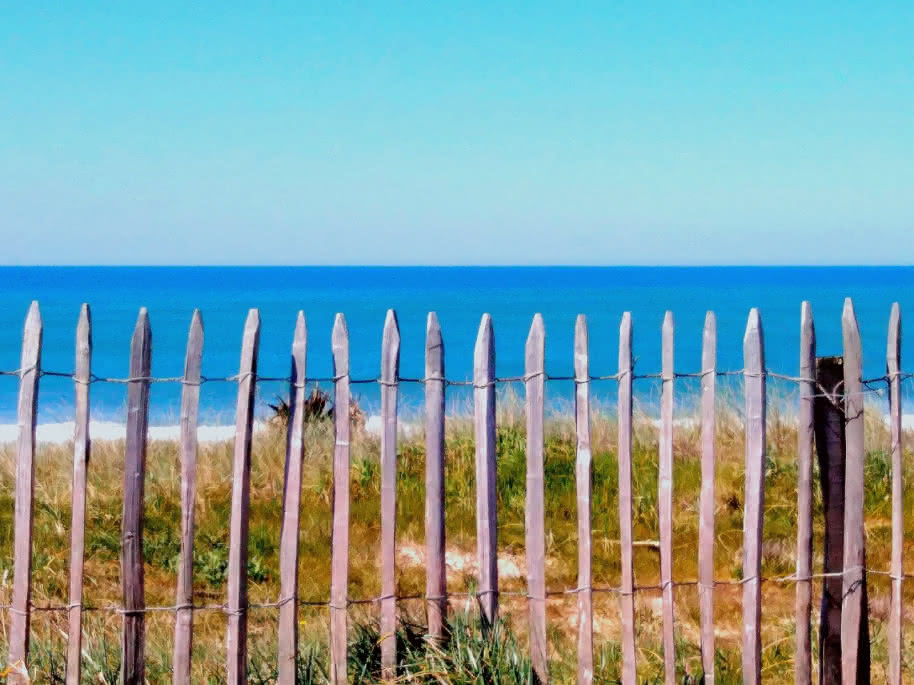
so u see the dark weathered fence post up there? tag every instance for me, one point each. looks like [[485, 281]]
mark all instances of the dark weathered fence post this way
[[291, 504], [133, 661], [81, 379], [29, 373], [435, 569], [237, 601]]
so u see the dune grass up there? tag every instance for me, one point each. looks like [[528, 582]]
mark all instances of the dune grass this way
[[470, 649]]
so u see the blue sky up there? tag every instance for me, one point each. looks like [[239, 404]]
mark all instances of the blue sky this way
[[457, 133]]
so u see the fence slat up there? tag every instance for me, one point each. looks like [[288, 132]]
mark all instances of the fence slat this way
[[287, 647], [706, 536], [237, 604], [627, 589], [184, 596], [893, 367], [805, 446], [78, 496], [339, 553], [853, 617], [665, 499], [534, 510], [435, 569], [29, 373], [754, 377], [133, 658], [486, 515], [390, 372], [583, 487]]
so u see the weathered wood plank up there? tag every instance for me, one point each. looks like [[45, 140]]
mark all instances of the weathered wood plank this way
[[291, 509], [534, 509], [893, 369], [133, 652], [665, 499], [81, 447], [754, 502], [390, 372], [486, 503], [853, 610], [339, 553], [706, 535], [435, 569], [627, 588], [805, 446], [184, 596], [583, 488], [27, 411], [237, 600]]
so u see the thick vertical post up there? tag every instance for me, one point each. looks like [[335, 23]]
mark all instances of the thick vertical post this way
[[339, 547], [390, 373], [291, 506], [665, 499], [754, 508], [133, 663], [854, 624], [435, 569], [184, 596], [486, 514], [828, 411], [805, 444], [627, 589], [706, 536], [583, 488], [893, 369], [237, 604], [27, 411], [534, 510], [81, 379]]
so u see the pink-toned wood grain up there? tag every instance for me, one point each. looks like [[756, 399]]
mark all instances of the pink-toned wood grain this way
[[435, 569], [237, 594], [486, 502], [339, 546], [706, 505], [583, 489], [390, 372], [20, 612], [805, 447], [534, 509], [627, 588], [287, 636], [896, 609], [81, 447], [754, 507], [665, 500]]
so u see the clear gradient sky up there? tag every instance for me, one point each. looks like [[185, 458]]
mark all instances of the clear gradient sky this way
[[457, 133]]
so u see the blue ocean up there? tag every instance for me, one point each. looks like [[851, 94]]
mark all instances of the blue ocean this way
[[459, 295]]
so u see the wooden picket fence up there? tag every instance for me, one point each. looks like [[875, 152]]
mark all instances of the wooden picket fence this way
[[483, 384]]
